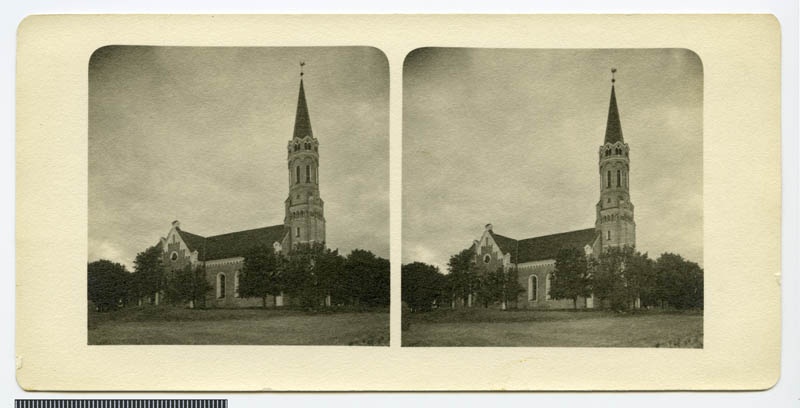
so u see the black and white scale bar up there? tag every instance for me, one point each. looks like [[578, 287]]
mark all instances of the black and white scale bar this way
[[121, 403]]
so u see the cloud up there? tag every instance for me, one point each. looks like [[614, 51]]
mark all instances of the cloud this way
[[511, 137], [199, 134]]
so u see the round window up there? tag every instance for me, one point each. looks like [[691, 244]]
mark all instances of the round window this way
[[487, 258], [173, 256]]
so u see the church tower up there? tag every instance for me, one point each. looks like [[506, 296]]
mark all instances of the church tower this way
[[304, 218], [615, 210]]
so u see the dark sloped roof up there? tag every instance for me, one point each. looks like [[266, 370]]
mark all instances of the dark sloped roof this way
[[232, 244], [546, 247], [302, 122], [506, 244], [613, 125], [193, 241]]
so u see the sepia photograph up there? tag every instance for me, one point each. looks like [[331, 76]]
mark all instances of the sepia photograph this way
[[552, 198], [338, 203], [238, 195]]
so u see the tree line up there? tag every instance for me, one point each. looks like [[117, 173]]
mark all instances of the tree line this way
[[619, 279], [466, 284], [311, 275], [315, 276]]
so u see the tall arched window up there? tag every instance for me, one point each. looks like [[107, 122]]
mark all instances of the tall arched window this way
[[297, 232], [236, 284], [297, 180], [547, 286], [608, 179], [619, 179], [533, 288], [308, 173], [609, 235], [221, 286]]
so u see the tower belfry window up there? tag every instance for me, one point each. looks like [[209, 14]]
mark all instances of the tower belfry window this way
[[308, 174], [608, 179], [297, 180], [619, 179]]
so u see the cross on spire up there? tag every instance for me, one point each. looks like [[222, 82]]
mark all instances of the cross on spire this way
[[302, 64], [613, 71]]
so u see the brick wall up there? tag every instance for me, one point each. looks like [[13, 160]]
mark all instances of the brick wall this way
[[541, 301], [229, 269]]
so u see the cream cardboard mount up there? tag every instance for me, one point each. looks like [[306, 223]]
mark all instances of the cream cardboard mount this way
[[741, 220]]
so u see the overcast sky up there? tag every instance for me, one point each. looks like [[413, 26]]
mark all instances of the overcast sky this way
[[199, 135], [510, 137]]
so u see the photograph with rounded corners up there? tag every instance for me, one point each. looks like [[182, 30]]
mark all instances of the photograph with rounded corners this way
[[552, 198], [238, 195]]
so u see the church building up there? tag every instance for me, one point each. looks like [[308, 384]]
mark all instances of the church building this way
[[223, 255], [535, 258]]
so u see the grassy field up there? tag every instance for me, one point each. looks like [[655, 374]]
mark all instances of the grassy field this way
[[556, 328], [239, 326]]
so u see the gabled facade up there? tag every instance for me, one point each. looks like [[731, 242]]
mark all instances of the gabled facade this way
[[535, 258], [222, 255]]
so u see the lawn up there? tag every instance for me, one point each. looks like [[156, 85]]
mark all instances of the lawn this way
[[553, 328], [239, 326]]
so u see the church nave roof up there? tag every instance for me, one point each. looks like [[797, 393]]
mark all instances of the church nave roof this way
[[232, 244], [544, 247]]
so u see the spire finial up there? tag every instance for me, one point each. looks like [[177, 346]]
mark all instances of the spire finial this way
[[302, 64], [613, 71]]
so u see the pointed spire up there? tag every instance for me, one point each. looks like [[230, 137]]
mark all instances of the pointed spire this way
[[613, 126], [302, 122]]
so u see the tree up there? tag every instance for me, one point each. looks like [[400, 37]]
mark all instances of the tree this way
[[463, 277], [107, 284], [498, 286], [421, 286], [188, 285], [571, 277], [641, 279], [261, 274], [679, 282], [625, 278], [490, 287], [367, 278], [149, 277], [511, 288], [330, 269], [609, 282], [307, 275]]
